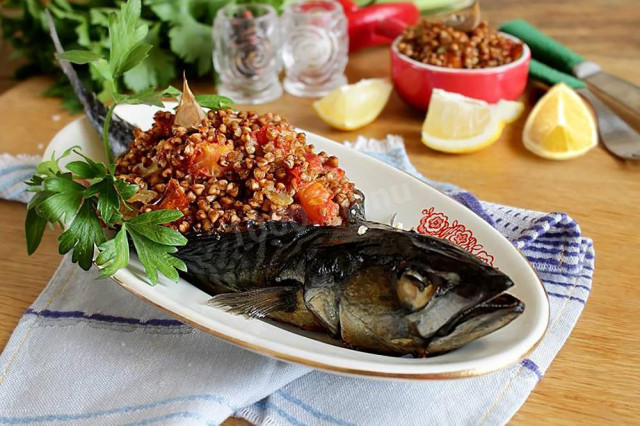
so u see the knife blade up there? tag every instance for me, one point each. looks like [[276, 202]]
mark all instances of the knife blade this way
[[551, 52], [622, 91], [616, 135]]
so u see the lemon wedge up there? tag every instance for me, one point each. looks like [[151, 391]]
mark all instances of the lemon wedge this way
[[560, 126], [354, 106], [458, 124]]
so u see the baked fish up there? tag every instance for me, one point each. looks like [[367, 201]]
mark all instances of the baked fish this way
[[374, 287]]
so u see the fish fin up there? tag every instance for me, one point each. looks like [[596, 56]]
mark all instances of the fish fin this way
[[321, 299], [257, 303]]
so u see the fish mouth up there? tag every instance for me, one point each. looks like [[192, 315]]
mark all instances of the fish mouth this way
[[476, 322]]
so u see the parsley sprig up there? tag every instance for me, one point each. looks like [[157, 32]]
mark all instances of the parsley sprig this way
[[85, 198], [61, 198]]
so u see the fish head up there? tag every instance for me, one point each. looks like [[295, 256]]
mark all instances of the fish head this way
[[426, 297]]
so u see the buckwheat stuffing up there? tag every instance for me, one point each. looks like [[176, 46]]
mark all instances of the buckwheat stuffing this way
[[234, 168], [434, 43]]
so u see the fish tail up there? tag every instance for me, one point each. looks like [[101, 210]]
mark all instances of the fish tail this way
[[120, 132], [78, 87]]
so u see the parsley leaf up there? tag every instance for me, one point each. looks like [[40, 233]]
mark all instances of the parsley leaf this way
[[60, 199], [109, 202], [156, 257], [147, 224], [114, 254], [126, 34], [214, 101], [112, 193], [125, 189], [147, 234], [65, 200], [93, 168], [83, 234], [191, 40], [147, 97], [34, 229], [157, 69], [154, 244], [50, 167], [80, 56], [87, 169]]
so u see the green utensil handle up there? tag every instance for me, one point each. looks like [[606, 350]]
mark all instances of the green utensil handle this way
[[543, 47], [551, 76]]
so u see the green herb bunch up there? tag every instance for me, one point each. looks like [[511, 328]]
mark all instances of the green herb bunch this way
[[86, 198], [179, 31], [62, 198]]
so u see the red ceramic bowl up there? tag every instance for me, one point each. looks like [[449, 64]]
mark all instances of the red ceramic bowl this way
[[414, 80]]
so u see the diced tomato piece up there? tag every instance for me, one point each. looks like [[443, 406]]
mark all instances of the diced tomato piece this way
[[315, 163], [317, 204], [174, 197], [294, 177], [338, 171], [315, 167], [204, 161], [296, 172], [261, 135], [283, 144], [335, 169]]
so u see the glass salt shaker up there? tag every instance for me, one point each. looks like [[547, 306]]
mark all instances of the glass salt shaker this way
[[315, 47], [246, 54]]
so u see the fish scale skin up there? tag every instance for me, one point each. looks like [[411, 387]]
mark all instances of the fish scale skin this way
[[242, 261]]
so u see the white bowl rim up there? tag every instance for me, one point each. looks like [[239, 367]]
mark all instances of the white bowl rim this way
[[526, 55]]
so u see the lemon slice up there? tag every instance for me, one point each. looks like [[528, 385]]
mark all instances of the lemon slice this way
[[458, 124], [560, 126], [355, 105]]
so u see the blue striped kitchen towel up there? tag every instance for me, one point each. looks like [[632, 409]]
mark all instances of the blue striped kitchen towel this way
[[14, 171], [88, 352]]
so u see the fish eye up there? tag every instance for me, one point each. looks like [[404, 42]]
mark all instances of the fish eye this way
[[414, 290]]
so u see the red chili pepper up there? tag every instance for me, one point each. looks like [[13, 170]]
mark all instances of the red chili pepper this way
[[378, 23], [349, 6]]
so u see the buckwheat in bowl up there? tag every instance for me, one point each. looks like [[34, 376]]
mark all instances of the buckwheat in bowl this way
[[483, 64]]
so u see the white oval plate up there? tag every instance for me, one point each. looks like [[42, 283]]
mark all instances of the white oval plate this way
[[387, 191]]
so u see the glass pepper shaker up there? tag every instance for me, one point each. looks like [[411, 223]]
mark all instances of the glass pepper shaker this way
[[247, 52], [315, 47]]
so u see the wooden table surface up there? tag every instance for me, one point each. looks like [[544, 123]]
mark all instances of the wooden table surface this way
[[596, 375]]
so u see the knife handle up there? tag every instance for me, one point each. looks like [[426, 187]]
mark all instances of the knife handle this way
[[551, 76], [543, 47]]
